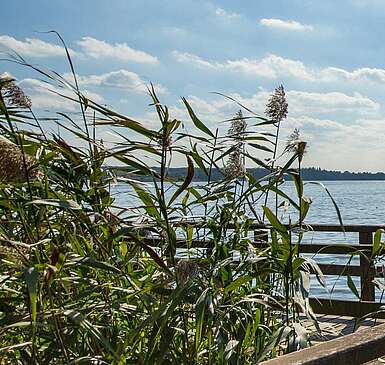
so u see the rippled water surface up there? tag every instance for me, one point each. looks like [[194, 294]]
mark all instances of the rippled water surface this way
[[360, 202]]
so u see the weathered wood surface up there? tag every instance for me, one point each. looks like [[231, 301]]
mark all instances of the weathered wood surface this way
[[363, 346], [349, 308], [334, 326]]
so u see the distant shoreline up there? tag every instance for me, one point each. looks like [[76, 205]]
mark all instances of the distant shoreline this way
[[307, 173]]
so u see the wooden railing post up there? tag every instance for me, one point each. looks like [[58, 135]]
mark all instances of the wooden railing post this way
[[367, 268]]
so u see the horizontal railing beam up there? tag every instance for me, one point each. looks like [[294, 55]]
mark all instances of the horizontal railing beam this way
[[348, 308], [332, 248], [340, 270], [316, 227], [324, 248]]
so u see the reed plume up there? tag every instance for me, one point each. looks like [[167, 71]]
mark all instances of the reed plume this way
[[295, 144], [12, 94], [235, 165], [186, 270], [14, 168], [276, 108]]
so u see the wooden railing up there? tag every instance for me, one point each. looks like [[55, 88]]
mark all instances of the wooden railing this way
[[366, 271], [360, 347]]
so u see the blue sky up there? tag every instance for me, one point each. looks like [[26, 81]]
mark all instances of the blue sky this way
[[328, 54]]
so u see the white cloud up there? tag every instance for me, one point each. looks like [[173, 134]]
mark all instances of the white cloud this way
[[44, 97], [184, 57], [335, 145], [302, 106], [121, 79], [270, 66], [273, 67], [33, 47], [311, 123], [365, 73], [100, 49], [91, 47], [301, 102], [287, 25], [223, 13]]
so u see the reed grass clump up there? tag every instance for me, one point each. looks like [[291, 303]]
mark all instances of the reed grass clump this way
[[95, 282]]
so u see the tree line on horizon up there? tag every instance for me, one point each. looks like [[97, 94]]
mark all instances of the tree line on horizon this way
[[308, 173]]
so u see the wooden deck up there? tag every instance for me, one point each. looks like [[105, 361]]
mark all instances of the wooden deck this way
[[364, 346], [333, 326]]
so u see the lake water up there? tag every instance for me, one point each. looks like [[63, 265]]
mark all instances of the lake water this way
[[360, 202]]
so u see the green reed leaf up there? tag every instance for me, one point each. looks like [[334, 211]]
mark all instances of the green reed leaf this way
[[197, 122], [377, 245], [352, 286], [31, 276], [187, 181]]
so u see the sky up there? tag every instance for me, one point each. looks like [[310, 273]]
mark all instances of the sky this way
[[328, 54]]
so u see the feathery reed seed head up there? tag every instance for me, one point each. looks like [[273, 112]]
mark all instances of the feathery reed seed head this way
[[13, 94], [235, 165], [186, 270], [238, 126], [13, 169], [276, 108], [296, 145]]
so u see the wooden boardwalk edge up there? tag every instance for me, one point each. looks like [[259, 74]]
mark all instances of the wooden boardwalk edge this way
[[357, 348]]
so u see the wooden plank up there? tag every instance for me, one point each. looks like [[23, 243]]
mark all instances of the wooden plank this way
[[327, 227], [310, 226], [357, 348], [305, 247], [346, 228], [332, 248], [342, 270], [345, 307], [366, 271]]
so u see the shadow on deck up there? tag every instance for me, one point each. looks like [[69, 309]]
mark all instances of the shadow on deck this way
[[333, 327]]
